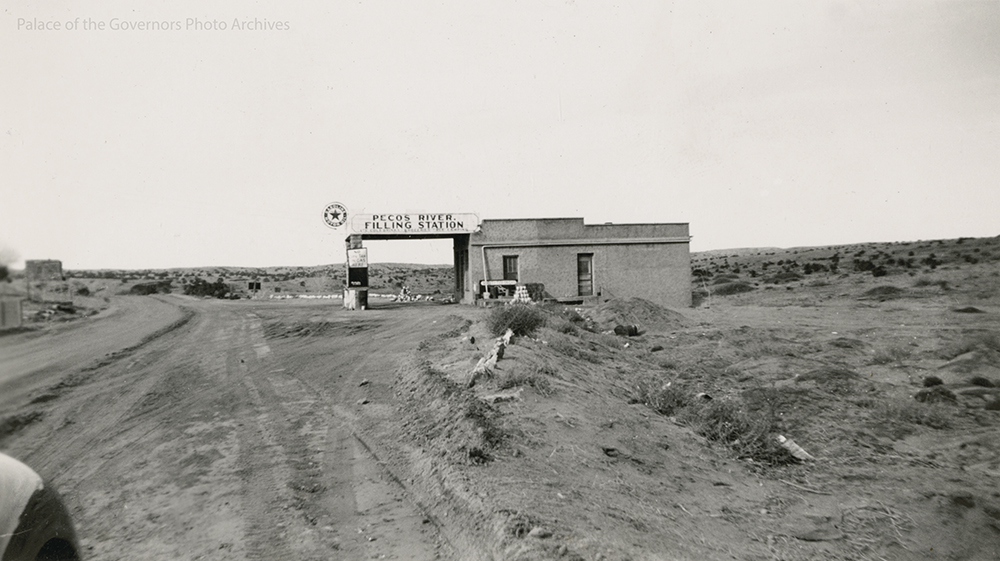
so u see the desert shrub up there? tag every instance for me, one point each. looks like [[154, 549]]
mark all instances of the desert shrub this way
[[83, 291], [522, 319], [982, 382], [731, 288], [810, 268], [664, 398], [931, 381], [147, 288], [890, 354], [749, 434], [201, 287], [535, 378]]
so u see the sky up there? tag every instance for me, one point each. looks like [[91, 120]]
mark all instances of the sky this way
[[206, 141]]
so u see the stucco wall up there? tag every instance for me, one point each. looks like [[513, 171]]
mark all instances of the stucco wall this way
[[658, 268]]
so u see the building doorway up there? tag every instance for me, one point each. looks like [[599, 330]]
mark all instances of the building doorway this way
[[585, 274]]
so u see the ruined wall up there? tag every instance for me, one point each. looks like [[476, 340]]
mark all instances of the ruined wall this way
[[43, 270]]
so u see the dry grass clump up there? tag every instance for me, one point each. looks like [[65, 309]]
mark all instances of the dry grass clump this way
[[890, 354], [664, 398], [749, 434], [565, 327], [522, 319], [536, 378], [899, 417], [746, 425], [573, 347]]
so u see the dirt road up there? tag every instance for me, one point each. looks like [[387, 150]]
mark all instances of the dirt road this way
[[226, 436], [36, 359]]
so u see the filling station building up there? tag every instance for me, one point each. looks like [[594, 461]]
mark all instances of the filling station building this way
[[557, 258]]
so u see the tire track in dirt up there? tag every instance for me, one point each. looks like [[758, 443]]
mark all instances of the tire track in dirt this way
[[205, 442], [343, 500]]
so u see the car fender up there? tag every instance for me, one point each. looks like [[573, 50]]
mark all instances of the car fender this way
[[34, 523]]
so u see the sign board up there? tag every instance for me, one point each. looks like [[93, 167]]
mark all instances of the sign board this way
[[411, 223], [499, 282], [357, 277], [335, 215], [357, 257]]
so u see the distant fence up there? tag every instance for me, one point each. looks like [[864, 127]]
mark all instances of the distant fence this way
[[10, 313]]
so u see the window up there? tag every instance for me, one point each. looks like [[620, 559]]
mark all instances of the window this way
[[510, 267], [585, 274]]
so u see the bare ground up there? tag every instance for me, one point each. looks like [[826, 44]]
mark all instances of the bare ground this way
[[280, 430]]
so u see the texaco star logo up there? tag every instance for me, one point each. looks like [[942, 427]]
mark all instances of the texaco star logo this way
[[335, 215]]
